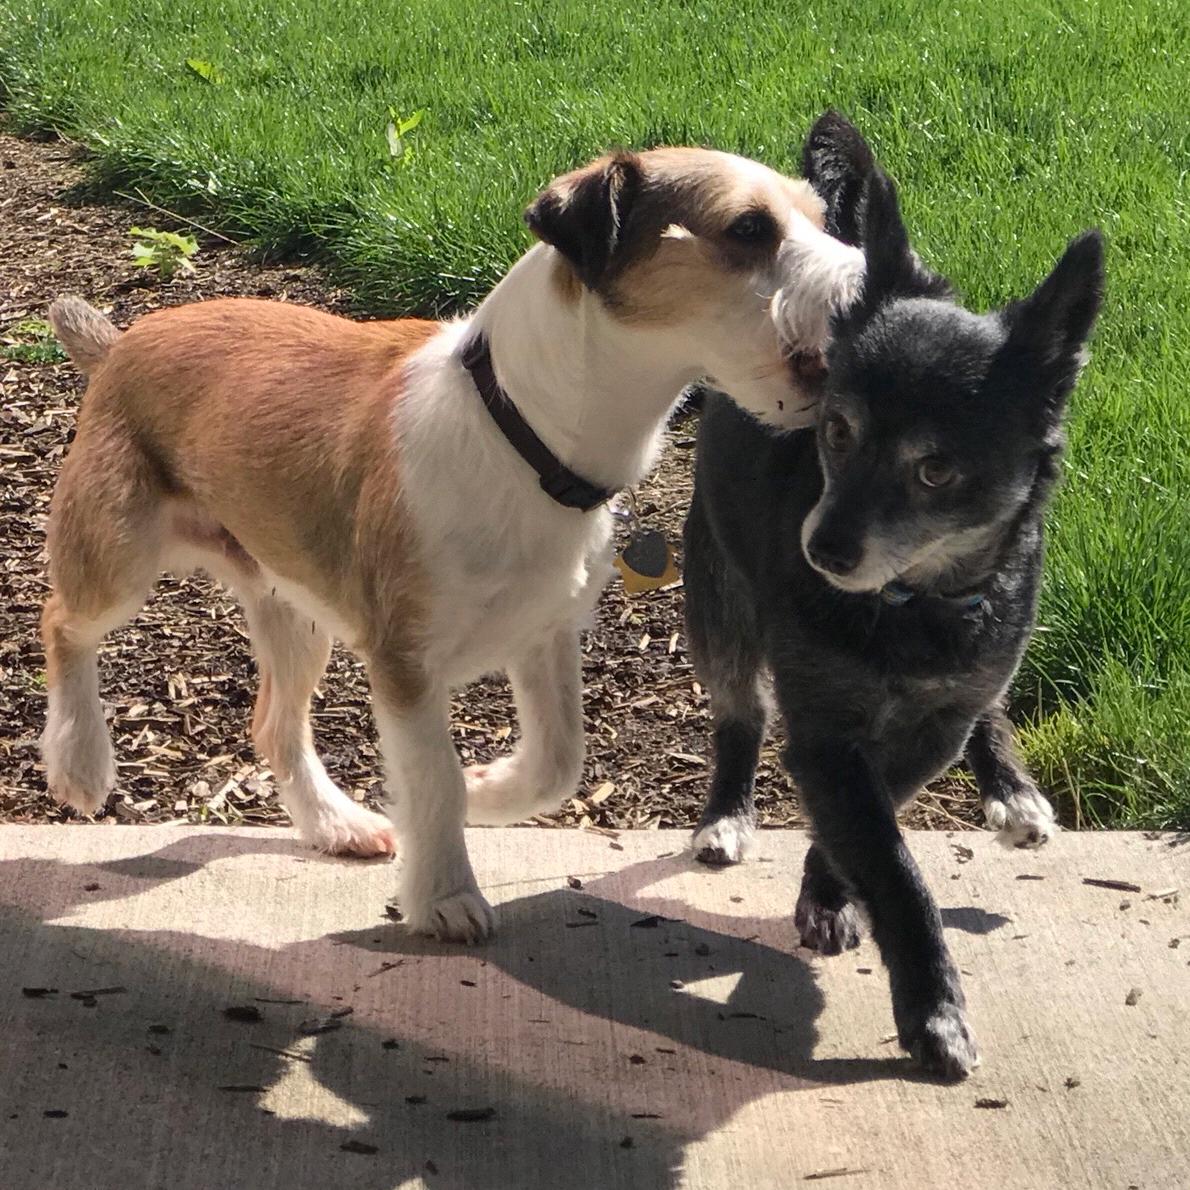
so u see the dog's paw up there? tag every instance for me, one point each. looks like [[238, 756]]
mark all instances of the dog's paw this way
[[80, 765], [352, 830], [724, 841], [828, 931], [495, 795], [329, 821], [943, 1044], [461, 917], [1023, 819], [86, 799], [500, 793]]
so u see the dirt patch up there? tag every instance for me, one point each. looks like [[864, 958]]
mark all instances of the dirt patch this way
[[179, 682]]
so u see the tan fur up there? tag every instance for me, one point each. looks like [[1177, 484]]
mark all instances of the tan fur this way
[[670, 280], [661, 281], [344, 480], [565, 280], [258, 430], [83, 331]]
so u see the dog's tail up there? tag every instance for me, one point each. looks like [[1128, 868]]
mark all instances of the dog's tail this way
[[85, 333]]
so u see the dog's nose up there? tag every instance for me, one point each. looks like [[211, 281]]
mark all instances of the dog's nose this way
[[808, 365], [835, 557]]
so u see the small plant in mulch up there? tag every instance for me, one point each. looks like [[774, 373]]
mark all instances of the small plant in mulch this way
[[163, 252], [31, 341]]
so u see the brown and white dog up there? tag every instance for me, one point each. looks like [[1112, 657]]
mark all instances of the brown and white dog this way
[[346, 480]]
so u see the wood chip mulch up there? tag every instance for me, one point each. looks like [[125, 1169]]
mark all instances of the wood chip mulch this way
[[179, 681]]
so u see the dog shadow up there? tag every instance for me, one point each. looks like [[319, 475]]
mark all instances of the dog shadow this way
[[513, 1035], [973, 920]]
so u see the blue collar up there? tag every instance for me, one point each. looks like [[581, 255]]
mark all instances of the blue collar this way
[[897, 594]]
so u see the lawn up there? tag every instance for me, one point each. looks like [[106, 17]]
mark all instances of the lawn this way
[[1009, 127]]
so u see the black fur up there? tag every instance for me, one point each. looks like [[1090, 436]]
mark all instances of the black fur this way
[[839, 161], [878, 699], [585, 218]]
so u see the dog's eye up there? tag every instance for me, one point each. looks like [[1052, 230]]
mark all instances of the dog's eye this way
[[935, 473], [752, 227], [837, 432]]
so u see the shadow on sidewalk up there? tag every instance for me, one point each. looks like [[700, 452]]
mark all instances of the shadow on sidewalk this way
[[584, 1028]]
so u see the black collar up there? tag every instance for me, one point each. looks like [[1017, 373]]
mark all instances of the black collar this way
[[557, 480]]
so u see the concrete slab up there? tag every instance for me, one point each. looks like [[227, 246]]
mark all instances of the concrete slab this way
[[655, 1028]]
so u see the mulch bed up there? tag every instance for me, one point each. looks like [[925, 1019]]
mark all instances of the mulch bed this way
[[179, 682]]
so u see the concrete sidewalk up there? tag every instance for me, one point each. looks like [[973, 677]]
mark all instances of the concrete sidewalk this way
[[653, 1028]]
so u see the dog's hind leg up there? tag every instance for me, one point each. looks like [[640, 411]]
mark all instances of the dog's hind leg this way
[[1012, 803], [724, 644], [105, 537], [548, 762], [76, 745], [292, 652]]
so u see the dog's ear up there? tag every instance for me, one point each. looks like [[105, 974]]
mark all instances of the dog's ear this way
[[837, 162], [1050, 328], [888, 259], [584, 214], [891, 267]]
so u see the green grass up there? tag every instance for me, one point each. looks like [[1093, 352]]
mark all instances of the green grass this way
[[1010, 126]]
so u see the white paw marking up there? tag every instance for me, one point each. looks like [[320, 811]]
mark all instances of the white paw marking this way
[[461, 917], [726, 841], [86, 799], [352, 830], [440, 898], [329, 820], [946, 1045], [1025, 819], [495, 795], [504, 792], [80, 763]]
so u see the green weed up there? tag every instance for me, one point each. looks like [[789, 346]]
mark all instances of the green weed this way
[[31, 341], [163, 252]]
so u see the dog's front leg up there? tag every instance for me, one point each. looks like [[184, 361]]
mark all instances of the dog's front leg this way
[[855, 825], [825, 917], [437, 892], [548, 762]]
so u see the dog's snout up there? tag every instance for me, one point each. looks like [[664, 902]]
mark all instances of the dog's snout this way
[[833, 555]]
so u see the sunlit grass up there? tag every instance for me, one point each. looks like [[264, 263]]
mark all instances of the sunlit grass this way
[[1009, 127]]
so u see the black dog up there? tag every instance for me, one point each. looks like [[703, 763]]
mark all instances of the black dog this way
[[885, 568]]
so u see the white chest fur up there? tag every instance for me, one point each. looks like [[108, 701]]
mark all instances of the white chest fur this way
[[506, 563]]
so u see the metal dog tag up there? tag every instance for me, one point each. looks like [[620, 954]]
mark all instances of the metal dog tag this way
[[647, 563]]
